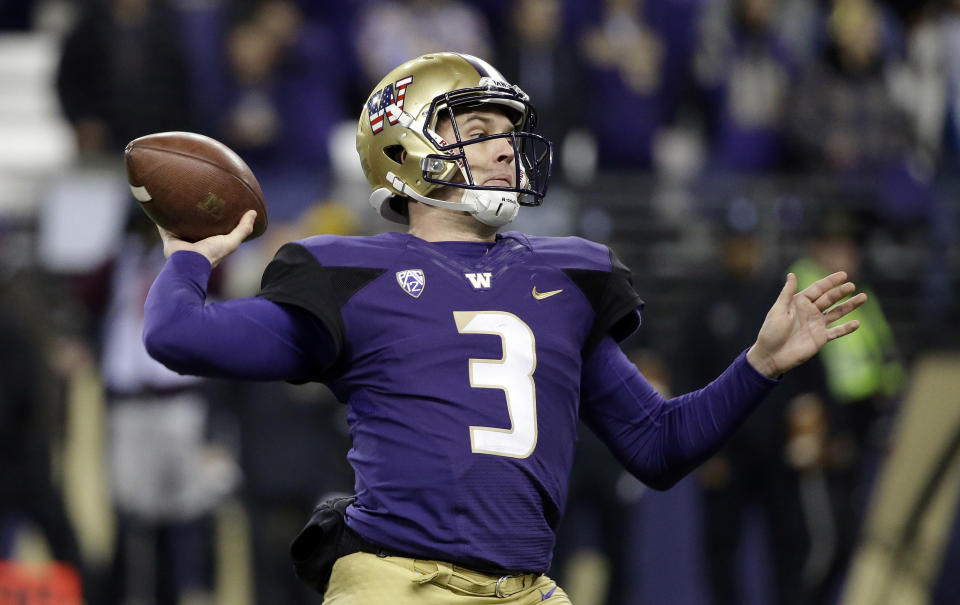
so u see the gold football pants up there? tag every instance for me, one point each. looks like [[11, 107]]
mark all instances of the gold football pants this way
[[367, 579]]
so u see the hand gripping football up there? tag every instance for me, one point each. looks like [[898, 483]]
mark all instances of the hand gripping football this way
[[192, 185]]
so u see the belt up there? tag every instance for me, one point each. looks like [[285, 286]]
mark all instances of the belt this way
[[468, 581], [480, 582]]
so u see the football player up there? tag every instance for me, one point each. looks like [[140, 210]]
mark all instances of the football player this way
[[465, 354]]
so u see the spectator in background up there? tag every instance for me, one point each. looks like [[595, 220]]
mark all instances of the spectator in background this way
[[845, 120], [285, 430], [122, 74], [864, 378], [636, 56], [202, 27], [595, 555], [537, 53], [28, 431], [753, 469], [285, 94], [625, 59], [847, 123], [800, 23], [389, 32], [919, 82], [927, 85], [168, 469], [338, 20], [593, 548], [745, 72]]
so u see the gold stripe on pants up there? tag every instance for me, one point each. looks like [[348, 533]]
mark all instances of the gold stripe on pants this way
[[367, 579]]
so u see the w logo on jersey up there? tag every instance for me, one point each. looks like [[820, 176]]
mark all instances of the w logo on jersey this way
[[387, 103], [412, 281], [480, 281]]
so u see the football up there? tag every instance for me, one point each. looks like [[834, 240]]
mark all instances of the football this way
[[192, 185]]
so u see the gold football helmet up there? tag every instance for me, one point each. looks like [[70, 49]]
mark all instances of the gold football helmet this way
[[403, 157]]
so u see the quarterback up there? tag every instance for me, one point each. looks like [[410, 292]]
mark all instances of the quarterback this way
[[466, 355]]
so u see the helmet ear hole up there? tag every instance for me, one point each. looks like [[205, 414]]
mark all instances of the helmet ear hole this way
[[395, 153]]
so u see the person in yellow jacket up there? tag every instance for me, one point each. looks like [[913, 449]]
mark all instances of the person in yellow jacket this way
[[865, 367], [863, 376]]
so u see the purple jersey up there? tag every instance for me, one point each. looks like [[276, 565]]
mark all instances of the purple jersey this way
[[461, 366]]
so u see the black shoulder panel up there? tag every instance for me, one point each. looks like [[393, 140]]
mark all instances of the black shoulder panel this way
[[616, 305], [295, 277]]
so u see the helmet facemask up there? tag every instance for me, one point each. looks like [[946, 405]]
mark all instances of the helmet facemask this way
[[532, 153]]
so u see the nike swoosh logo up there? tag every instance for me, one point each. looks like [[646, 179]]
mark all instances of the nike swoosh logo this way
[[542, 295], [544, 597]]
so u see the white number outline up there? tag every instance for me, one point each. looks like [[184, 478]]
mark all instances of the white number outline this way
[[513, 374]]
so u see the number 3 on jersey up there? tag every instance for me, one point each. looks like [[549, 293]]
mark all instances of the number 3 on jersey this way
[[513, 374]]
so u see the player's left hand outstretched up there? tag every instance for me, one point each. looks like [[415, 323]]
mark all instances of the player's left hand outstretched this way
[[798, 324]]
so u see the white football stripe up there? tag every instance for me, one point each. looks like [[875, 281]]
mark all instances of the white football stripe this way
[[141, 193]]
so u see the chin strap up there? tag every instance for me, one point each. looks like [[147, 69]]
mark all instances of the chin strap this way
[[494, 208]]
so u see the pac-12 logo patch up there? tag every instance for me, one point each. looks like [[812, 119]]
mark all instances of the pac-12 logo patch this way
[[387, 102], [412, 281]]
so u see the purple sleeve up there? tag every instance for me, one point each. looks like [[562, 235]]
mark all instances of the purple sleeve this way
[[245, 338], [660, 440]]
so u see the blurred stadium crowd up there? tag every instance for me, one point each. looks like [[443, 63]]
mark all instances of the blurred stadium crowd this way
[[714, 144]]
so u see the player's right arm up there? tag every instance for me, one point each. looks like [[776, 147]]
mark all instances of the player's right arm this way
[[246, 338]]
